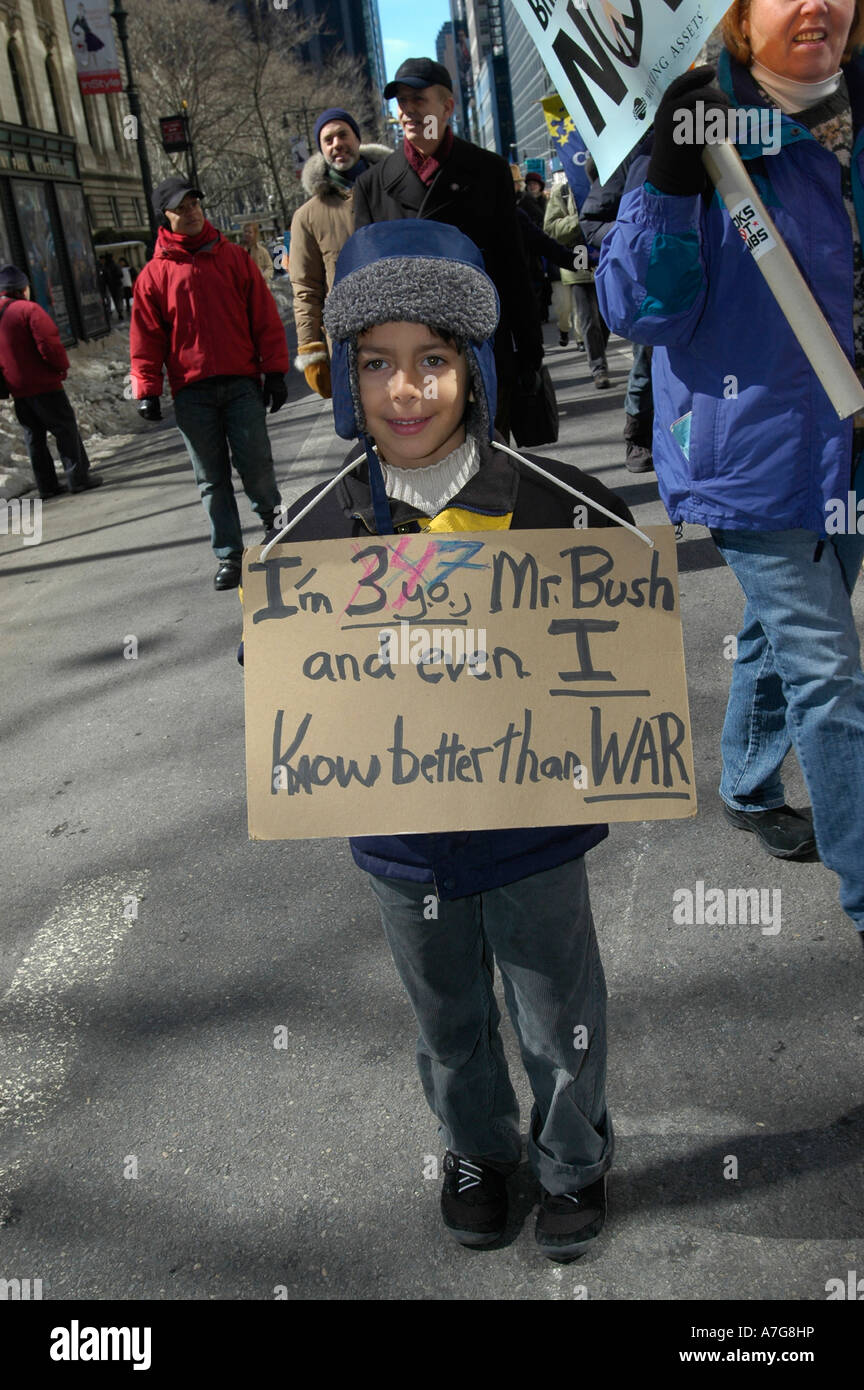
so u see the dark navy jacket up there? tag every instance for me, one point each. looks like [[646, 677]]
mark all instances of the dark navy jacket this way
[[477, 860]]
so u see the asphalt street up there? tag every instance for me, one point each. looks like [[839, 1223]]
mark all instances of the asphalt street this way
[[157, 1145]]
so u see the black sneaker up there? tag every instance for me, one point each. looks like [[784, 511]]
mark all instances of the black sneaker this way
[[785, 833], [563, 339], [59, 491], [473, 1200], [228, 575], [601, 380], [567, 1224]]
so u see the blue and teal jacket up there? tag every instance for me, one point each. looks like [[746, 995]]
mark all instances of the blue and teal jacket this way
[[744, 434]]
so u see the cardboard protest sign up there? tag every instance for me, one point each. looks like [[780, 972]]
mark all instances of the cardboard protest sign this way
[[445, 682], [611, 65]]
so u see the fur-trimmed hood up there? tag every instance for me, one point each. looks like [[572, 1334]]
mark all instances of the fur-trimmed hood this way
[[314, 177]]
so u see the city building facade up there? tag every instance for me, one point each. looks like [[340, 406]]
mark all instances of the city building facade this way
[[67, 167], [356, 26], [489, 107], [529, 83]]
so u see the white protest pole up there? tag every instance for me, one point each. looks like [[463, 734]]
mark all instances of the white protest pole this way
[[784, 279]]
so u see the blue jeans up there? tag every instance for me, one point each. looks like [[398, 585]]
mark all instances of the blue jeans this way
[[797, 680], [541, 933], [212, 415]]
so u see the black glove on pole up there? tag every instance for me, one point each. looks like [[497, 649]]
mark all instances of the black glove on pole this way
[[676, 166], [274, 392]]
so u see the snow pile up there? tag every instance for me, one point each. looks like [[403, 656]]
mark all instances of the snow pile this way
[[99, 387]]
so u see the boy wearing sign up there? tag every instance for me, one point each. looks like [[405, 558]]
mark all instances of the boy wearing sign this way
[[411, 316]]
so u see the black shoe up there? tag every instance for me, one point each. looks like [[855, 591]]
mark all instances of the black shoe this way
[[228, 575], [563, 339], [473, 1200], [638, 458], [785, 833], [567, 1225], [57, 491], [601, 381], [91, 480]]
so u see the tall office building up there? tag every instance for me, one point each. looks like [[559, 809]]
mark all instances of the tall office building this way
[[448, 53], [353, 24], [490, 107], [529, 83], [356, 25]]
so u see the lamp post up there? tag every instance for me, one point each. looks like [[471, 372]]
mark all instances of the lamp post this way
[[119, 15]]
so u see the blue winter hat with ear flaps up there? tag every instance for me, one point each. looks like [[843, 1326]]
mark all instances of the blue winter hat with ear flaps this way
[[412, 271]]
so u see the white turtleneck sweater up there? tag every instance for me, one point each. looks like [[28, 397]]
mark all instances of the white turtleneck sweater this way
[[430, 489], [792, 96]]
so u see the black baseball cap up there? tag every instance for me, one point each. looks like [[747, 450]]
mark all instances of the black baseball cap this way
[[171, 193], [419, 73]]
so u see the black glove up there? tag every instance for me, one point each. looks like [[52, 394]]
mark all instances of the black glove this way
[[678, 168], [149, 408], [274, 391]]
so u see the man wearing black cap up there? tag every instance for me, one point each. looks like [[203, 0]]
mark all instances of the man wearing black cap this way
[[202, 310], [436, 175], [34, 364], [319, 230]]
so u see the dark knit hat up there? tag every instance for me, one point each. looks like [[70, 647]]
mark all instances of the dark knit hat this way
[[411, 271], [334, 113], [11, 278]]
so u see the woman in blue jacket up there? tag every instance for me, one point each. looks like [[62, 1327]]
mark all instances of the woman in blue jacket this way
[[746, 441]]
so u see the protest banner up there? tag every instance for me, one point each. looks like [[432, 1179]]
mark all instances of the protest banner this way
[[419, 683], [571, 146], [611, 65], [93, 45]]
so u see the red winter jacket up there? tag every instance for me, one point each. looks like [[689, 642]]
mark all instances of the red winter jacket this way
[[31, 354], [201, 308]]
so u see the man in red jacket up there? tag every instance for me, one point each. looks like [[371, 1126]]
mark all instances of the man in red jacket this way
[[203, 312], [34, 364]]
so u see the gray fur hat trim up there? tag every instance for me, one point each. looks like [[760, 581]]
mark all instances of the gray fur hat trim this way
[[445, 293]]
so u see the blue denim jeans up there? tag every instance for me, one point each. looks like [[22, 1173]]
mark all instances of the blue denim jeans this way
[[797, 681], [213, 415], [541, 933]]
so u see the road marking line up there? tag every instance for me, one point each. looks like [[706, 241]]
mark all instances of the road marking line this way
[[70, 957]]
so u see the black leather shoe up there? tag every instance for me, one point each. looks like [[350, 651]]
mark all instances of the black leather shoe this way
[[59, 491], [785, 833], [473, 1200], [567, 1224], [227, 575], [92, 480]]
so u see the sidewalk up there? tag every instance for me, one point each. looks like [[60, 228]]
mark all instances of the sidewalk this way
[[159, 1146]]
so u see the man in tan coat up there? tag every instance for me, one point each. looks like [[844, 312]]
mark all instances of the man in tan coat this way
[[576, 289], [319, 230]]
